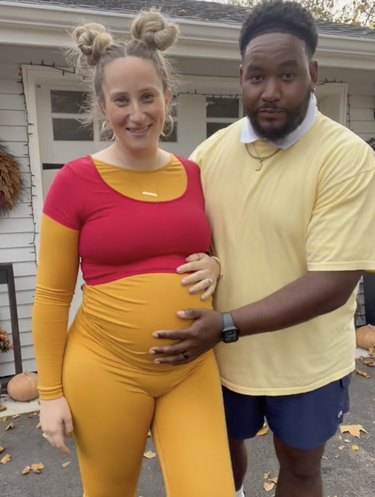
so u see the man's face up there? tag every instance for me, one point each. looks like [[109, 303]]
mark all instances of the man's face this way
[[276, 79]]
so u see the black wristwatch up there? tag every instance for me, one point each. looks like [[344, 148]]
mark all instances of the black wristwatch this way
[[229, 333]]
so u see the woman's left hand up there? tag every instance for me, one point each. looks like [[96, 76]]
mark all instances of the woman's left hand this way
[[205, 274]]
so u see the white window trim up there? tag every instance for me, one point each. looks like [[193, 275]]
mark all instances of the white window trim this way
[[31, 77], [336, 89]]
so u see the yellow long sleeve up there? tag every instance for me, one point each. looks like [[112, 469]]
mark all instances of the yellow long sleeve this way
[[55, 283]]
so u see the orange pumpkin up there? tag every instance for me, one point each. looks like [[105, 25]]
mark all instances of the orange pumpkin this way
[[366, 336], [23, 387]]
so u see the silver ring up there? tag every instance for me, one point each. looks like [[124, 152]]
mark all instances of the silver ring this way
[[44, 435], [185, 355]]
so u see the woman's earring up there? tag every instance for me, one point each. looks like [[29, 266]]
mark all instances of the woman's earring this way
[[168, 127], [106, 133]]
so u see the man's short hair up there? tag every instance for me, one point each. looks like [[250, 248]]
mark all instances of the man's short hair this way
[[277, 16]]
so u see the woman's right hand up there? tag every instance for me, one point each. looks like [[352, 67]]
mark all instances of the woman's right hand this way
[[56, 422]]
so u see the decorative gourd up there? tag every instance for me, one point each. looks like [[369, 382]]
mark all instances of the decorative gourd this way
[[23, 387], [366, 336]]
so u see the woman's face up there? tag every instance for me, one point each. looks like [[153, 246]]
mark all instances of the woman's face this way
[[134, 103]]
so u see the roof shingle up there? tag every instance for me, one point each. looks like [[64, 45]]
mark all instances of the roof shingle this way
[[210, 12]]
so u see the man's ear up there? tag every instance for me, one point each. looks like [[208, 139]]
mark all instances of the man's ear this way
[[313, 69]]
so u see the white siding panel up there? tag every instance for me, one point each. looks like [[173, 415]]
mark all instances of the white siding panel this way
[[363, 127], [21, 209], [17, 237], [17, 225], [12, 117], [22, 269], [361, 101], [12, 102], [362, 114], [17, 254], [23, 311], [12, 133], [25, 297], [15, 240], [10, 86], [25, 283], [24, 325]]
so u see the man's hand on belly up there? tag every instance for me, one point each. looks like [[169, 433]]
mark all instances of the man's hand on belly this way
[[202, 335]]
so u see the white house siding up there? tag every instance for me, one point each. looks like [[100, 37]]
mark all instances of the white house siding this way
[[17, 226], [361, 99]]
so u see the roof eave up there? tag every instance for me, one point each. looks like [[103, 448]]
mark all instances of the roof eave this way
[[39, 26]]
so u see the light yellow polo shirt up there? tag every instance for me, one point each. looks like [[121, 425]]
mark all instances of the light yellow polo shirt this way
[[310, 207]]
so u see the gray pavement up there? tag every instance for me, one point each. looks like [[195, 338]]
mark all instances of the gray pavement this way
[[347, 472]]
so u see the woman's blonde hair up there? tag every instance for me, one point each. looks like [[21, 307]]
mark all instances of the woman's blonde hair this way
[[95, 47]]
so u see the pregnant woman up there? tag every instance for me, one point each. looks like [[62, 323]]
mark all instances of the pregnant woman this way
[[130, 215]]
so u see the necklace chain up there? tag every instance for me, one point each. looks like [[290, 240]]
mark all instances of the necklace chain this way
[[259, 158]]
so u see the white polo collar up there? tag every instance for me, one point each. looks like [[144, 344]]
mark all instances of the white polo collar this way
[[249, 135]]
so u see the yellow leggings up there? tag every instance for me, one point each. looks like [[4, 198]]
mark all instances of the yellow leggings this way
[[115, 401]]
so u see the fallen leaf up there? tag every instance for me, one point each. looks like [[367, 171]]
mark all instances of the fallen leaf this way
[[37, 468], [266, 475], [4, 419], [149, 454], [26, 470], [65, 464], [340, 447], [346, 440], [15, 416], [267, 486], [7, 458], [263, 431], [355, 447], [38, 426], [1, 449], [10, 426], [274, 479], [362, 373], [368, 361], [354, 430], [3, 407]]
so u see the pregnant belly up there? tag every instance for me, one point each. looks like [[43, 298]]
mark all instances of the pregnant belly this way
[[119, 317]]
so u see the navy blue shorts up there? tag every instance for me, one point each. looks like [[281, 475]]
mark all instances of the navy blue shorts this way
[[303, 421]]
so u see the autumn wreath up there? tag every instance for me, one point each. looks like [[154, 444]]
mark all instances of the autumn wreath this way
[[10, 180]]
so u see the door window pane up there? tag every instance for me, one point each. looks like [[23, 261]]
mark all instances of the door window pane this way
[[67, 102], [72, 130], [222, 107]]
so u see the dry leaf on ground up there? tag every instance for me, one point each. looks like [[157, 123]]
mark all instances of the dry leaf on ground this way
[[359, 372], [3, 407], [10, 426], [65, 464], [263, 431], [149, 454], [33, 468], [2, 449], [355, 447], [268, 486], [7, 458], [354, 430], [266, 475]]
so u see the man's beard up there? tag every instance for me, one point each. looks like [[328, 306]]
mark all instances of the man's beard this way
[[295, 116]]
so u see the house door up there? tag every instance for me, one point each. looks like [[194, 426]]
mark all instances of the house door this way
[[63, 137]]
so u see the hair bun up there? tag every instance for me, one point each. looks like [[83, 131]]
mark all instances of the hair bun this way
[[92, 40], [152, 29]]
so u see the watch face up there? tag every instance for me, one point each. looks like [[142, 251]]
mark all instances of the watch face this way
[[230, 336]]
